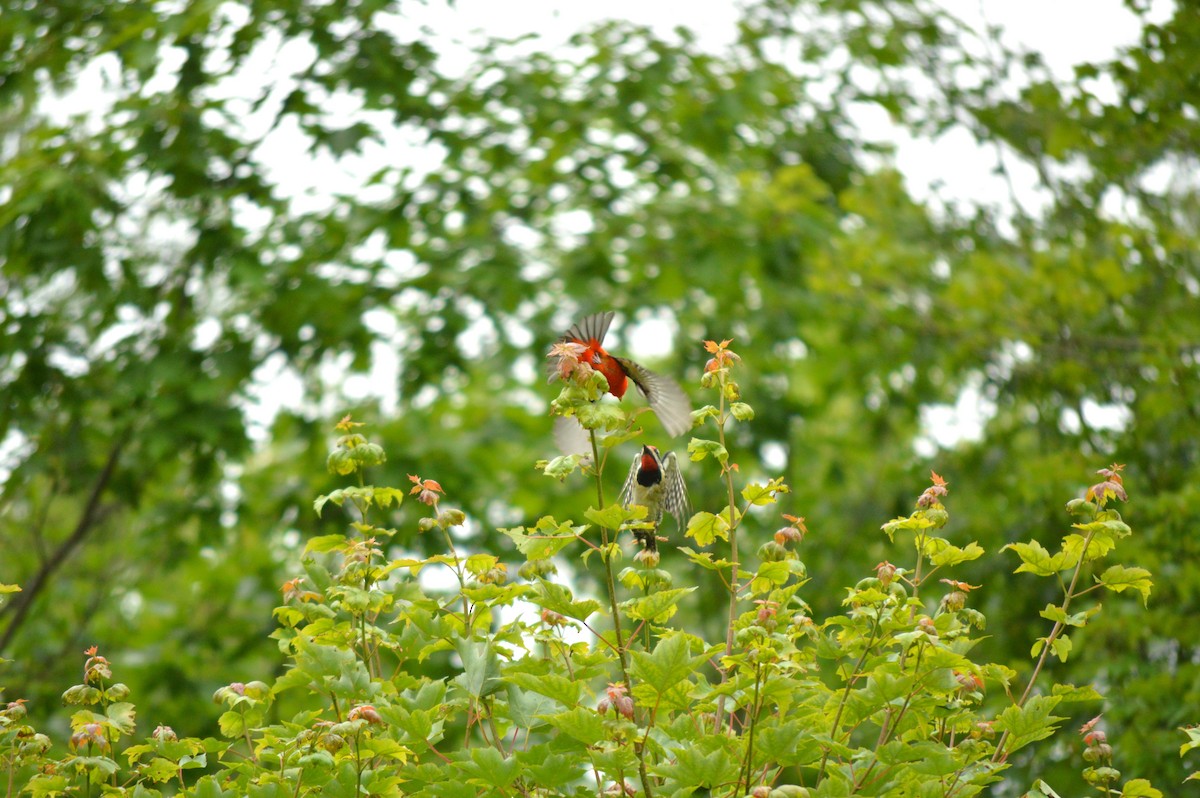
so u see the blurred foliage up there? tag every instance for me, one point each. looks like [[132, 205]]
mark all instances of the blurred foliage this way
[[157, 280]]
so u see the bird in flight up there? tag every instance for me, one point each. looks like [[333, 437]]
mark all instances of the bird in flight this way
[[585, 340]]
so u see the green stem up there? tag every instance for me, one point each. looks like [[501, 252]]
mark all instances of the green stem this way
[[999, 756], [754, 712], [616, 612], [837, 717], [733, 550]]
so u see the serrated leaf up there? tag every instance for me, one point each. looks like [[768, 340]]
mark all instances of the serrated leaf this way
[[699, 448], [552, 685], [771, 575], [1035, 559], [706, 527], [159, 770], [581, 723], [611, 517], [916, 521], [761, 495], [562, 466], [1193, 742], [556, 598], [481, 668], [670, 663], [657, 608], [1069, 693], [1097, 547], [704, 559], [1030, 723], [547, 538], [1139, 788], [478, 564], [1118, 579], [949, 555], [741, 411]]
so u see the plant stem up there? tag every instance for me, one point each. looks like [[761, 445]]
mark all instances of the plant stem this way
[[616, 612], [999, 756], [733, 549], [754, 710], [837, 718]]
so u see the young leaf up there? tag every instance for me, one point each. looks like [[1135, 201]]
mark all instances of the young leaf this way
[[657, 608], [705, 527], [1139, 788], [699, 448], [1118, 579], [1029, 723], [1035, 559]]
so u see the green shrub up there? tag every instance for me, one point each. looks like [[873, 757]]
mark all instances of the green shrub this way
[[556, 693]]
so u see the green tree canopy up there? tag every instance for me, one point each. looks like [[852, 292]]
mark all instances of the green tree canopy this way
[[157, 280]]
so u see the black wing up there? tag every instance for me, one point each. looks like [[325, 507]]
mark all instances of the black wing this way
[[590, 328], [664, 395]]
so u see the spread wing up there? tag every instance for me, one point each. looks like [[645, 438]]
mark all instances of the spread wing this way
[[590, 328], [664, 395], [630, 481], [675, 495]]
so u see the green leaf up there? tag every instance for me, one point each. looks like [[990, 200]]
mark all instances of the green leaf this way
[[1035, 559], [544, 540], [669, 664], [562, 466], [1061, 647], [324, 544], [1193, 742], [581, 723], [481, 668], [556, 598], [699, 448], [706, 527], [942, 553], [657, 608], [488, 766], [696, 768], [159, 770], [1118, 579], [1069, 693], [742, 411], [1097, 547], [760, 495], [770, 575], [917, 521], [552, 685], [1030, 723], [704, 559], [610, 517], [1139, 788]]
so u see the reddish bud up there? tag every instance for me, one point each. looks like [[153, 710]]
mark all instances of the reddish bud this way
[[368, 713], [885, 572], [165, 733]]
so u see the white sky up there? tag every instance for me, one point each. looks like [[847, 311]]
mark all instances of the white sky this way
[[1065, 32]]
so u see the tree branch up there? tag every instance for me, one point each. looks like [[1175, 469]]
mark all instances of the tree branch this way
[[87, 524]]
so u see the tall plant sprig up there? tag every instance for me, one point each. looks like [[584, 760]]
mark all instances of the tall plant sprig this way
[[705, 527], [1098, 530], [605, 425]]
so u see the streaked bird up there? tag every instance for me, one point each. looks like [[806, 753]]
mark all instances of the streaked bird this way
[[654, 482]]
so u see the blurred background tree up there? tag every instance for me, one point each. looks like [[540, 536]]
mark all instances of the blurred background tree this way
[[160, 291]]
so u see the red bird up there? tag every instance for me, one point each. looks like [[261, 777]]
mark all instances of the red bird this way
[[666, 398]]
